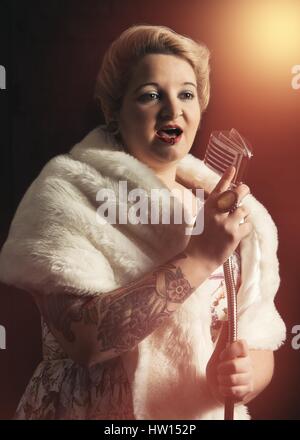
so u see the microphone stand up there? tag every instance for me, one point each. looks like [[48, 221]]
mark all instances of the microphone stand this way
[[232, 323]]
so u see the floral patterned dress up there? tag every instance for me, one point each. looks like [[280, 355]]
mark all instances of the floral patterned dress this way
[[62, 389]]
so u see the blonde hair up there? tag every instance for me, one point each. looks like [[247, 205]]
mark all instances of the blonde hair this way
[[136, 42]]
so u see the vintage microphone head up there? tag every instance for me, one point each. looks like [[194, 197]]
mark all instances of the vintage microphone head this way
[[227, 148]]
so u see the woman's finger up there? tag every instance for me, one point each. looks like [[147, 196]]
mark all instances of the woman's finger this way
[[234, 350], [242, 191], [238, 214], [237, 393], [234, 379], [237, 366], [225, 181]]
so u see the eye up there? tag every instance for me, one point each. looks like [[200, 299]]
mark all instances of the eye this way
[[188, 95], [148, 96]]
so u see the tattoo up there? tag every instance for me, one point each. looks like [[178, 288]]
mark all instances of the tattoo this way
[[61, 310], [125, 316]]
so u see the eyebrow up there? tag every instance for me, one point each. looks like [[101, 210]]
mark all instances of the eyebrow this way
[[157, 85]]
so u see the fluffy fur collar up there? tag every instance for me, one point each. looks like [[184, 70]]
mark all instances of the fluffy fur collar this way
[[55, 221]]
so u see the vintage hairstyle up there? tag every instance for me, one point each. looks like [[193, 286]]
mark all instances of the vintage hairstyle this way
[[130, 47]]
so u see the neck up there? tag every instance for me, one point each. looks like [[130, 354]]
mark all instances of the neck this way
[[167, 176]]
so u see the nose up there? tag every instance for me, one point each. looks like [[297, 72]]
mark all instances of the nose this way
[[171, 108]]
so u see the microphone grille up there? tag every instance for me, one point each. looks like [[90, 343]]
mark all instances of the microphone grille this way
[[225, 149]]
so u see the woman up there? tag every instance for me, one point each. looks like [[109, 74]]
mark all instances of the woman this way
[[132, 311]]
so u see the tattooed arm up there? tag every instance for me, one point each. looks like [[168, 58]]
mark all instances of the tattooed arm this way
[[96, 328]]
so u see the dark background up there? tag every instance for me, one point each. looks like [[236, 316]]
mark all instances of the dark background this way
[[52, 51]]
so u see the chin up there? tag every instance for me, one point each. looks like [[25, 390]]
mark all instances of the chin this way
[[168, 155]]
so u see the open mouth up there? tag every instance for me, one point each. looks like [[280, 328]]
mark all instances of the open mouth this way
[[169, 135]]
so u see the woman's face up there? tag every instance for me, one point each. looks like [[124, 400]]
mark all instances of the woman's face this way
[[170, 98]]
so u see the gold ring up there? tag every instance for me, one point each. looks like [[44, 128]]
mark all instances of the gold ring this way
[[227, 201]]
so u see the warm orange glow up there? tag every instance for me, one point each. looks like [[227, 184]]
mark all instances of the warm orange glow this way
[[272, 29]]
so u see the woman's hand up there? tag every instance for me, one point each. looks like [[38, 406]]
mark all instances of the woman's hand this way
[[235, 374], [222, 231], [230, 372]]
